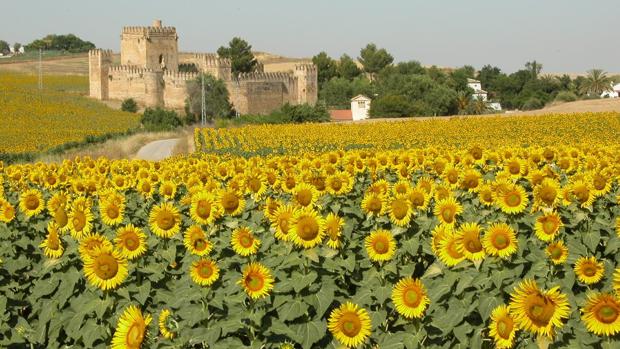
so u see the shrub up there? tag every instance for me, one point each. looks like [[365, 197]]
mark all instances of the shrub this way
[[391, 106], [160, 119], [566, 96], [129, 105], [533, 103], [304, 113]]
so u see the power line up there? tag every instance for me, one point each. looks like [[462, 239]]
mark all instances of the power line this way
[[203, 110]]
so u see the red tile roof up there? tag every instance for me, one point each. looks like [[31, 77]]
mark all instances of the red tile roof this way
[[341, 114]]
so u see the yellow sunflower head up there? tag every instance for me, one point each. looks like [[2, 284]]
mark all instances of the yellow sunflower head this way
[[196, 241], [500, 240], [92, 241], [469, 243], [582, 192], [80, 222], [204, 272], [349, 324], [557, 252], [130, 241], [512, 200], [440, 233], [165, 220], [447, 210], [400, 210], [449, 252], [616, 281], [31, 202], [256, 280], [589, 270], [305, 195], [105, 268], [374, 204], [410, 298], [538, 311], [165, 323], [547, 193], [485, 195], [111, 212], [243, 241], [333, 229], [204, 208], [601, 314], [131, 329], [231, 202], [282, 222], [308, 228], [502, 327], [52, 245], [167, 189], [380, 245], [548, 226], [7, 211]]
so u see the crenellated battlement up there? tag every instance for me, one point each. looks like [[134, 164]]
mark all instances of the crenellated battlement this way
[[211, 59], [97, 52], [306, 67], [148, 31], [180, 76], [130, 69], [262, 76]]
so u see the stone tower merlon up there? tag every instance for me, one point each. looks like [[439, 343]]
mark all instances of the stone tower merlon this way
[[307, 83], [99, 62], [154, 47], [213, 64]]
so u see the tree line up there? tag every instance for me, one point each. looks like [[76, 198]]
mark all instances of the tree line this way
[[68, 43]]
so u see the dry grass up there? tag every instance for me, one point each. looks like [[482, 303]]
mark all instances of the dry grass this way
[[593, 105]]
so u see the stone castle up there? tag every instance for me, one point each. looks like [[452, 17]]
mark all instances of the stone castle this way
[[149, 73]]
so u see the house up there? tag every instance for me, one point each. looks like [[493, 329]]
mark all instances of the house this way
[[613, 92], [479, 93], [360, 106]]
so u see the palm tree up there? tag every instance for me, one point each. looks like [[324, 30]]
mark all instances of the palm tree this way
[[462, 101], [596, 82]]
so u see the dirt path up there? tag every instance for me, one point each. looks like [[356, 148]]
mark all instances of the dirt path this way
[[158, 150]]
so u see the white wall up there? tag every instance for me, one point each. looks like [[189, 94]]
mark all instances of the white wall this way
[[360, 112]]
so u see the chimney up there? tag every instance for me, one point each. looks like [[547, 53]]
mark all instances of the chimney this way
[[157, 23]]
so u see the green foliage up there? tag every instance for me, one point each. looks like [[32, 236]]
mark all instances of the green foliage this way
[[216, 99], [337, 92], [240, 54], [347, 68], [69, 42], [286, 114], [326, 67], [159, 119], [533, 103], [129, 105], [4, 47], [391, 106], [374, 59], [566, 96], [596, 82]]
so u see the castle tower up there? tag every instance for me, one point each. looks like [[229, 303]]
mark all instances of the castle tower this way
[[99, 62], [307, 83], [153, 89], [153, 47]]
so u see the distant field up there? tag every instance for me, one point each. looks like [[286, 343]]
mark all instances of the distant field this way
[[35, 121]]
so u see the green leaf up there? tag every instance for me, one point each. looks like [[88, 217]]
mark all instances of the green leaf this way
[[292, 309], [321, 300], [278, 327], [487, 304], [311, 332], [592, 239], [301, 281]]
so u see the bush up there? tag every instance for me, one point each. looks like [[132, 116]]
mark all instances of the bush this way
[[533, 103], [566, 96], [160, 119], [304, 113], [391, 106], [129, 105]]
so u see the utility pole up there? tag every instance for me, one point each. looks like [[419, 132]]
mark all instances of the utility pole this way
[[40, 72], [203, 110]]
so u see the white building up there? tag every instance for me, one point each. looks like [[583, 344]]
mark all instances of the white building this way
[[360, 105], [479, 93], [613, 92]]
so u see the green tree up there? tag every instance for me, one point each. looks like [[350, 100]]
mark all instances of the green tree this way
[[17, 46], [534, 68], [374, 59], [596, 82], [160, 119], [4, 46], [391, 106], [326, 67], [240, 54], [129, 105], [68, 42], [463, 100], [459, 77], [347, 68], [216, 98]]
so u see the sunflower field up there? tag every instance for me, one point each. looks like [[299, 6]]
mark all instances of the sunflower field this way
[[499, 232], [36, 120]]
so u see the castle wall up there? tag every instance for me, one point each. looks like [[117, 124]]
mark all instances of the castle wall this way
[[150, 47], [143, 85], [176, 89], [99, 62], [211, 64]]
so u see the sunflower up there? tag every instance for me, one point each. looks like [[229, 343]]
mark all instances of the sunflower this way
[[582, 192], [105, 268], [339, 183], [305, 195], [61, 218], [447, 210], [601, 183], [52, 245], [231, 202], [167, 189], [400, 210], [196, 242], [536, 310], [616, 281], [80, 222], [557, 251], [204, 272], [130, 241], [204, 208], [31, 202], [547, 193], [502, 327], [500, 240], [145, 188], [131, 329], [485, 195], [470, 180], [419, 199], [374, 204], [256, 280], [243, 241], [401, 187], [307, 228], [512, 199], [165, 220], [7, 211], [282, 222], [547, 226], [468, 241], [111, 212], [333, 228], [439, 234], [349, 324], [164, 324], [255, 183], [451, 176], [601, 314], [589, 270], [618, 226], [449, 253], [380, 245], [270, 207], [90, 242], [410, 297]]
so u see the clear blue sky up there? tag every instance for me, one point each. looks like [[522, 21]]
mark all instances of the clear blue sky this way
[[565, 35]]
